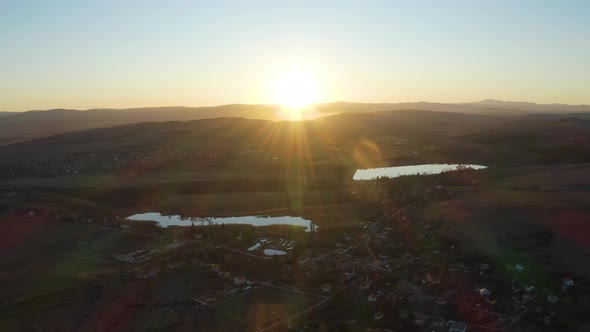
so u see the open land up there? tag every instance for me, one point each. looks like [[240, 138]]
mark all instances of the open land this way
[[501, 249]]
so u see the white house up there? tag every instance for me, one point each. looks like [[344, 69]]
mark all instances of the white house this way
[[239, 280], [567, 282], [484, 292], [372, 298], [378, 316]]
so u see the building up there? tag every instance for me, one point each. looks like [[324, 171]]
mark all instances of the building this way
[[239, 280], [484, 292], [378, 316], [432, 279], [457, 326], [567, 283]]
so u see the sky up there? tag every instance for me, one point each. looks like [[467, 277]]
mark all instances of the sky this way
[[133, 53]]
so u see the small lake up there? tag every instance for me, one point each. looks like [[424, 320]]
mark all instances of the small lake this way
[[394, 172], [274, 252], [165, 221]]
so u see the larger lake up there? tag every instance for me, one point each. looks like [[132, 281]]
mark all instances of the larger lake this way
[[393, 172], [165, 221]]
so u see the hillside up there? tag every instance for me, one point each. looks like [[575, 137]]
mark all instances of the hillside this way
[[245, 133], [37, 124], [323, 147], [16, 127]]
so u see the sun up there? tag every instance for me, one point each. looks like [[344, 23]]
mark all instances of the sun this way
[[296, 90]]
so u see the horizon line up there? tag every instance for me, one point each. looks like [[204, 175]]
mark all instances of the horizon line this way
[[311, 105]]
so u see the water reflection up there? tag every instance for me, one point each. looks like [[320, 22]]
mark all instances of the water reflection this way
[[165, 221], [393, 172], [274, 252]]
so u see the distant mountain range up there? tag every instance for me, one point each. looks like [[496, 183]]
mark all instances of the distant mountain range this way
[[531, 107], [22, 126]]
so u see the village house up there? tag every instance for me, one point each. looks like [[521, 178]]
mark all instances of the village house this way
[[432, 279], [567, 283], [457, 326], [239, 280], [378, 316], [372, 298]]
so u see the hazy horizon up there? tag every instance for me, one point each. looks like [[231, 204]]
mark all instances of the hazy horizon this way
[[278, 106], [111, 54]]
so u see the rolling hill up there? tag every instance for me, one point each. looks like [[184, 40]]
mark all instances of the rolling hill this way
[[346, 139], [17, 127]]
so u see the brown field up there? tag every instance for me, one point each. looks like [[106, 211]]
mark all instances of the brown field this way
[[542, 212]]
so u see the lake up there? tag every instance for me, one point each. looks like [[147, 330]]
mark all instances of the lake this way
[[165, 221], [393, 172], [274, 252]]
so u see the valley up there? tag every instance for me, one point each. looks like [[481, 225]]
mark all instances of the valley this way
[[411, 253]]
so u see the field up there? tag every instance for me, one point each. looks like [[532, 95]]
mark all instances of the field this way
[[258, 309], [539, 215], [64, 215]]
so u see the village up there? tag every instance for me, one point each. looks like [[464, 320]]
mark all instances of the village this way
[[85, 163], [392, 274]]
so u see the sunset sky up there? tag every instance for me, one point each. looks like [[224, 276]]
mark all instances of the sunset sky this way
[[132, 53]]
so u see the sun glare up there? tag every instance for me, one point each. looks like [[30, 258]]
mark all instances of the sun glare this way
[[295, 91]]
